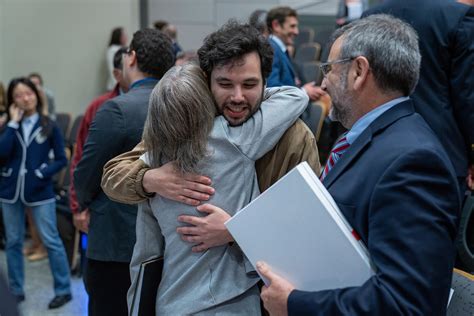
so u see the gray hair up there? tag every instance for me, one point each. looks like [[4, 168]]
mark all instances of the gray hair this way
[[391, 47], [180, 117]]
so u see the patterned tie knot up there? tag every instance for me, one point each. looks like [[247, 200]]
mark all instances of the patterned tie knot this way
[[336, 153]]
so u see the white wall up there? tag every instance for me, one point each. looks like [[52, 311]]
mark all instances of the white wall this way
[[64, 40], [197, 18]]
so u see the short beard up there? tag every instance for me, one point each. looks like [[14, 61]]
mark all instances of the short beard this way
[[341, 110], [253, 111]]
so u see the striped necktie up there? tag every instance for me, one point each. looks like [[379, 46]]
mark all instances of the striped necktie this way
[[339, 148]]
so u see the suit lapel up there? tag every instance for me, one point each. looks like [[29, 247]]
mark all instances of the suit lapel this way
[[289, 63], [19, 135], [284, 57], [33, 135], [357, 148], [34, 132]]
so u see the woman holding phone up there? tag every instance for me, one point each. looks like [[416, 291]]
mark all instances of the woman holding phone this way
[[26, 181]]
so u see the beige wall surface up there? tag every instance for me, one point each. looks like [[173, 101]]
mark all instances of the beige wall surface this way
[[64, 40], [197, 18]]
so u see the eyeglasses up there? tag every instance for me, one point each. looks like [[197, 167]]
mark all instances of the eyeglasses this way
[[327, 67]]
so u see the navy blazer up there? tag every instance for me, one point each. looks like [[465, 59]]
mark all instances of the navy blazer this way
[[397, 188], [20, 161], [445, 93], [116, 128], [282, 69]]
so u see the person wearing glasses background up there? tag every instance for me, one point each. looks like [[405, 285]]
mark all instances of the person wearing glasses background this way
[[393, 181], [118, 39], [116, 128], [81, 218], [26, 181]]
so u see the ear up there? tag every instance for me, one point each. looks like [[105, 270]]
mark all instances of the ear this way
[[117, 74], [132, 58], [360, 72], [275, 25]]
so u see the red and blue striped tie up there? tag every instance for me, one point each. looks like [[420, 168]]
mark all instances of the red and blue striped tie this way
[[339, 148]]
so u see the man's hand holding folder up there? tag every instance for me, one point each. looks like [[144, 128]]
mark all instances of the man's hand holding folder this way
[[275, 295]]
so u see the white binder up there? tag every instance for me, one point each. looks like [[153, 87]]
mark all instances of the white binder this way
[[296, 227]]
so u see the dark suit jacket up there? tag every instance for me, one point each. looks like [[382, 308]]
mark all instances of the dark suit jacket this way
[[117, 128], [13, 149], [445, 93], [282, 73], [397, 188]]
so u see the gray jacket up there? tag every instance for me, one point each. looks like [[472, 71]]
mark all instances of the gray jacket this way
[[219, 280]]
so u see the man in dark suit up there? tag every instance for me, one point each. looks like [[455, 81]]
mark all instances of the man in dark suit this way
[[445, 93], [117, 128], [282, 23], [390, 177]]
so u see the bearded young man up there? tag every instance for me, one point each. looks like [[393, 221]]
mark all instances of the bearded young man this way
[[237, 91], [128, 179]]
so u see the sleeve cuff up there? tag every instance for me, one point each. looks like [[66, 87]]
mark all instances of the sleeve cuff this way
[[13, 124], [39, 174], [139, 184]]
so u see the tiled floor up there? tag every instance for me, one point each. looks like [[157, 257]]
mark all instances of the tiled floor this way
[[39, 291]]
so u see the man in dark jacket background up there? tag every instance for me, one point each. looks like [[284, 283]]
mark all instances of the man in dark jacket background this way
[[117, 128], [444, 95]]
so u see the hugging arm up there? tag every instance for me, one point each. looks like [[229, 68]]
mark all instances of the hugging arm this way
[[128, 179]]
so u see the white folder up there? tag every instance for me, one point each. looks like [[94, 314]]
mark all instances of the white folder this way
[[296, 227]]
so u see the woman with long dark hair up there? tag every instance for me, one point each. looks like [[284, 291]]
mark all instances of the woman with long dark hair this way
[[26, 181]]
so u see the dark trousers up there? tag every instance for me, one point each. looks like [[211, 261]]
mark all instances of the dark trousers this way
[[107, 284]]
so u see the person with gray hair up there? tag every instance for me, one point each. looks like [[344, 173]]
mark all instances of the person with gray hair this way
[[182, 126], [180, 117], [390, 177]]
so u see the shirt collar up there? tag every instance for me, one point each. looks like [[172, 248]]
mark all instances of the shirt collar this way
[[141, 82], [279, 42], [32, 119], [369, 117]]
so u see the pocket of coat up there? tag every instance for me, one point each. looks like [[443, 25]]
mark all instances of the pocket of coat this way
[[7, 172]]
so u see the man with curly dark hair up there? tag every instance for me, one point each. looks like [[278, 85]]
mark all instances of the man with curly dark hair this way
[[117, 127], [236, 60], [230, 43], [128, 180]]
